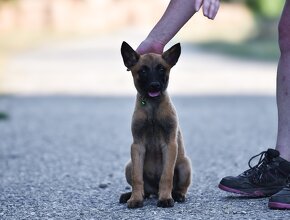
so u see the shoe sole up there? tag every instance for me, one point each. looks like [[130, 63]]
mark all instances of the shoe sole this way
[[278, 205], [256, 193]]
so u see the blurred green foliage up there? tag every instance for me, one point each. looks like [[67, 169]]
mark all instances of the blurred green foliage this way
[[262, 44], [7, 1], [266, 8]]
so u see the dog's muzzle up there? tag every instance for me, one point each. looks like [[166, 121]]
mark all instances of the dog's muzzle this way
[[154, 89]]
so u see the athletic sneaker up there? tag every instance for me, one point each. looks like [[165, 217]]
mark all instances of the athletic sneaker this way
[[281, 200], [266, 178]]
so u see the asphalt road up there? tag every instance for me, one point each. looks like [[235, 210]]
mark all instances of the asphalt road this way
[[63, 157]]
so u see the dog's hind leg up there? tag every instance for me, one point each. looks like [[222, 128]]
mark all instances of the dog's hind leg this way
[[125, 197], [182, 178]]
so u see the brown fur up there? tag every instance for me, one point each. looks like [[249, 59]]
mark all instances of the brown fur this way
[[158, 163]]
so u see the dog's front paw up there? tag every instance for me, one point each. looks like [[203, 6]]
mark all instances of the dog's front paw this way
[[132, 204], [165, 203], [178, 197]]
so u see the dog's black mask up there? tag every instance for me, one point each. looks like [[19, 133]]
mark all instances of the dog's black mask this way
[[152, 79]]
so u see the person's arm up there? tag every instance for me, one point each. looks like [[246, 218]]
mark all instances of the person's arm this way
[[176, 15]]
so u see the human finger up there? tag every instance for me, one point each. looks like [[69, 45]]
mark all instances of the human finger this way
[[198, 4], [206, 7], [213, 10], [210, 8]]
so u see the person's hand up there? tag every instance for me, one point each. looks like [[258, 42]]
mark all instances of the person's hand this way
[[209, 7], [150, 46]]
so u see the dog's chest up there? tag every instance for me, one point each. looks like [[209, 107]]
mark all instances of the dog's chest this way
[[154, 128]]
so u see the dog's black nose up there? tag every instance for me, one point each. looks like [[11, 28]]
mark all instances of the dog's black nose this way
[[154, 86]]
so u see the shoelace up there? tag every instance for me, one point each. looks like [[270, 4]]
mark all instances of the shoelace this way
[[263, 156], [259, 170], [259, 166]]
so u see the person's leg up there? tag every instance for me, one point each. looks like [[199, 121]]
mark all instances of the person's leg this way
[[271, 174], [281, 200], [283, 85]]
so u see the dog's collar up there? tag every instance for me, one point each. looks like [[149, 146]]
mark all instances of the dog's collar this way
[[143, 101]]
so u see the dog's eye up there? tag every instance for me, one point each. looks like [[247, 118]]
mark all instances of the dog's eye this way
[[161, 69], [143, 71]]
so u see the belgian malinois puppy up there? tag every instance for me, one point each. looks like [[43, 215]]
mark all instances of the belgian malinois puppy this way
[[158, 163]]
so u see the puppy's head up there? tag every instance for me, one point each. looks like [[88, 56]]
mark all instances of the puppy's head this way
[[150, 71]]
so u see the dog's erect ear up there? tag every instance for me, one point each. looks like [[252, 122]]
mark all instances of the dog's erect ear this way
[[172, 54], [130, 56]]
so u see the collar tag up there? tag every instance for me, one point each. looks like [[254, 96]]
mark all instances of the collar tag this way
[[143, 102]]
